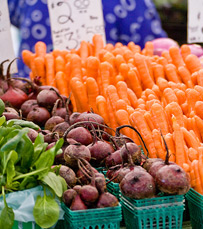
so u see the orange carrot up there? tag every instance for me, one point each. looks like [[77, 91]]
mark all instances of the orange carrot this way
[[196, 129], [105, 76], [170, 95], [199, 124], [158, 144], [185, 51], [92, 67], [121, 87], [159, 118], [59, 64], [112, 117], [194, 76], [92, 93], [173, 109], [118, 61], [122, 118], [166, 56], [163, 61], [83, 50], [26, 57], [143, 71], [179, 142], [162, 83], [102, 109], [148, 119], [158, 71], [193, 63], [76, 66], [133, 83], [190, 140], [185, 76], [121, 104], [50, 70], [192, 98], [200, 77], [181, 96], [132, 98], [109, 47], [200, 164], [171, 73], [61, 83], [200, 90], [79, 92], [112, 95], [149, 48], [98, 44], [171, 146], [198, 185], [127, 55], [40, 48], [138, 120], [40, 69], [130, 110], [176, 57]]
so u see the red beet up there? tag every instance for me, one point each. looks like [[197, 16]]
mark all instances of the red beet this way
[[68, 174], [68, 196], [149, 162], [132, 149], [89, 194], [32, 134], [27, 106], [46, 98], [61, 128], [138, 184], [73, 152], [38, 115], [59, 110], [77, 204], [77, 188], [81, 135], [50, 146], [51, 137], [52, 122], [100, 183], [113, 159], [10, 113], [73, 117], [106, 199]]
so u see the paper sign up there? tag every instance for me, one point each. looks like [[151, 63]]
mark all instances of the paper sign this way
[[75, 20], [195, 21], [7, 50]]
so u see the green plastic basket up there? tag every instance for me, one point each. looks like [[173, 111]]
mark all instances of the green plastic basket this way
[[114, 189], [92, 218], [195, 205], [28, 225], [161, 212]]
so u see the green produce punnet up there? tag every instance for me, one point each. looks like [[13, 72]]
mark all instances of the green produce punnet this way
[[23, 202]]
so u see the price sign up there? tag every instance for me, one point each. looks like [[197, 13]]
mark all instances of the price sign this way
[[75, 20], [7, 50], [195, 21]]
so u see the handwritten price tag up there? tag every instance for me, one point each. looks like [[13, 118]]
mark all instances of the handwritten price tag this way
[[195, 21], [75, 20], [7, 50]]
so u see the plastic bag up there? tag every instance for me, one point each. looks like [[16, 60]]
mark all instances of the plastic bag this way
[[22, 203]]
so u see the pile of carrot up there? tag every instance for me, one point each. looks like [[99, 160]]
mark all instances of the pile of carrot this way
[[127, 85]]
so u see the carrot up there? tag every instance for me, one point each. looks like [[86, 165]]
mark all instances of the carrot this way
[[132, 98], [40, 48], [162, 83], [109, 47], [170, 95], [192, 176], [166, 56], [122, 118], [118, 61], [112, 117], [112, 95], [130, 110], [102, 52], [190, 140], [199, 109], [179, 142], [185, 51], [181, 96], [171, 146], [163, 61], [92, 93], [102, 109], [193, 63], [79, 92], [176, 57], [61, 83], [133, 47], [138, 120], [192, 98], [200, 90], [56, 53], [198, 185], [185, 76], [194, 76], [83, 50], [40, 69], [148, 119], [149, 48], [133, 83], [127, 55], [149, 92], [171, 73], [173, 109], [149, 103], [98, 44], [158, 144], [109, 57], [121, 104], [105, 76], [200, 164], [199, 124], [158, 71], [26, 57], [121, 87], [151, 97], [92, 67], [157, 91], [59, 64], [118, 51], [50, 70], [76, 66], [143, 71], [200, 77], [159, 118], [196, 129]]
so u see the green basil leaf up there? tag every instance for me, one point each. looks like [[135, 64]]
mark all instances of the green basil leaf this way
[[2, 107], [46, 211], [38, 149], [2, 120], [10, 168], [7, 156], [54, 182], [39, 139], [31, 181], [23, 123]]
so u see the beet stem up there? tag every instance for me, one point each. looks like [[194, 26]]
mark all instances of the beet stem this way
[[166, 147]]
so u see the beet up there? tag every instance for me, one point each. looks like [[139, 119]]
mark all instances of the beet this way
[[73, 117], [59, 110], [100, 183], [106, 199], [149, 162], [113, 159], [51, 137], [10, 113], [27, 106], [138, 184], [172, 179], [61, 128], [81, 135], [134, 150], [32, 134], [38, 115], [77, 188], [83, 179], [50, 146], [73, 152], [68, 174], [46, 98], [52, 122], [68, 196], [77, 204], [89, 194]]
